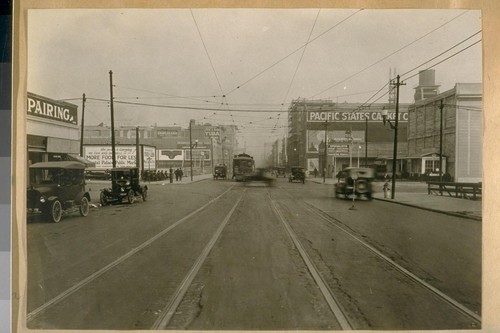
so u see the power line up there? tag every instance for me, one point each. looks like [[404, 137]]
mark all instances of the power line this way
[[391, 54], [291, 53], [206, 52]]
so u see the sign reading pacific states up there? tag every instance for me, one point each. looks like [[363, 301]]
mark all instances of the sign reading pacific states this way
[[353, 116]]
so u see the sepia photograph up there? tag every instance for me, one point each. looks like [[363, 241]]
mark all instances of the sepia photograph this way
[[197, 168]]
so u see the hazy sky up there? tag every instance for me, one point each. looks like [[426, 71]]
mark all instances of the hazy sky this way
[[259, 59]]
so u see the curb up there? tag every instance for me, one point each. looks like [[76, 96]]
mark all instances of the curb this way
[[432, 209]]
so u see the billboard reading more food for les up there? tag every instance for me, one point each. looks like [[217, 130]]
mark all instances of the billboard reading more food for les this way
[[103, 158]]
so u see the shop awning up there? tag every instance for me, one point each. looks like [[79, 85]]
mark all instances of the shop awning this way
[[77, 158]]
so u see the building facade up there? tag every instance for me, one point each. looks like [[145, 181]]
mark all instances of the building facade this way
[[52, 127], [450, 123], [211, 145], [354, 135]]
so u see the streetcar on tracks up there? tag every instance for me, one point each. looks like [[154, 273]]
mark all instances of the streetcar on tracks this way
[[243, 166]]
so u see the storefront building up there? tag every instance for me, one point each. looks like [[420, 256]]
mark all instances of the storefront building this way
[[52, 130], [355, 136], [211, 145], [457, 134]]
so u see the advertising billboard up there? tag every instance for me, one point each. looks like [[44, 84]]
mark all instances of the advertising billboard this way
[[315, 137], [170, 154], [102, 156]]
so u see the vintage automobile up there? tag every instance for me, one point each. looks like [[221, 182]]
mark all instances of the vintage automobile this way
[[355, 182], [280, 172], [125, 186], [259, 176], [297, 174], [57, 188], [220, 172], [97, 174]]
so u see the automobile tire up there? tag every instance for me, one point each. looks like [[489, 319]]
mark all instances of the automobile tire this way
[[130, 197], [56, 211], [84, 207], [103, 199], [361, 186], [144, 195]]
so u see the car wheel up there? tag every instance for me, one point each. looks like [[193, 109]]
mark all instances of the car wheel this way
[[144, 194], [56, 211], [130, 196], [103, 199], [84, 207], [361, 187]]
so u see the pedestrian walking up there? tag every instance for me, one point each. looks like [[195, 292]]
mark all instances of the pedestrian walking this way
[[180, 174], [176, 174], [171, 174], [315, 172]]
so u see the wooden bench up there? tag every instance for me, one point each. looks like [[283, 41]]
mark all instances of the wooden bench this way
[[459, 190]]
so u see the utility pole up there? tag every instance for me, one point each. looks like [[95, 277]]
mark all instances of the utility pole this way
[[395, 152], [326, 151], [366, 142], [82, 126], [441, 141], [137, 153], [190, 149], [113, 152]]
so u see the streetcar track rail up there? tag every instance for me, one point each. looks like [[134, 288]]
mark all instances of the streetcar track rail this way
[[447, 299], [168, 312], [329, 296], [33, 314]]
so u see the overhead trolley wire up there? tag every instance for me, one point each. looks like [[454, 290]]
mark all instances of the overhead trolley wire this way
[[291, 53], [391, 54], [413, 69]]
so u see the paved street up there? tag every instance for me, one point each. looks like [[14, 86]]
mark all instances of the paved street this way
[[218, 255]]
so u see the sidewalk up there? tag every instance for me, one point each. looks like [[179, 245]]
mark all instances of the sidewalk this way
[[414, 194]]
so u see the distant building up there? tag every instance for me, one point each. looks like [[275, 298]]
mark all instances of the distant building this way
[[355, 135], [462, 134], [427, 87], [211, 144]]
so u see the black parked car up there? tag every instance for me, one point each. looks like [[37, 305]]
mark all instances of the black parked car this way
[[297, 174], [97, 174], [57, 188], [280, 172], [355, 182], [124, 186]]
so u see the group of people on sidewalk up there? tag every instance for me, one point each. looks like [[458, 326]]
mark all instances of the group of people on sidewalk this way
[[156, 175]]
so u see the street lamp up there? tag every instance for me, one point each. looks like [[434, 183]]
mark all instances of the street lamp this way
[[359, 148]]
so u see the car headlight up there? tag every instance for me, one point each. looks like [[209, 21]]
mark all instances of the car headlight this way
[[43, 199]]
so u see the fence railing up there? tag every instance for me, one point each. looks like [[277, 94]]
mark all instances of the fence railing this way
[[459, 190]]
